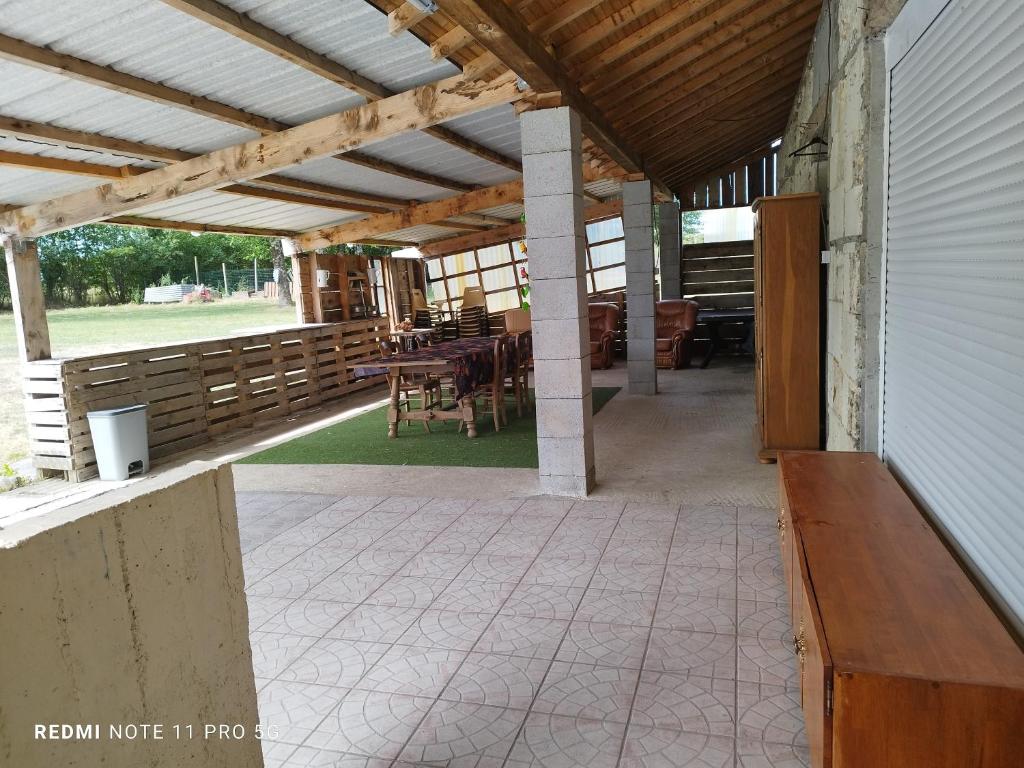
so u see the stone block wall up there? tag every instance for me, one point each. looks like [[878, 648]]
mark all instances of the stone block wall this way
[[125, 611], [842, 99]]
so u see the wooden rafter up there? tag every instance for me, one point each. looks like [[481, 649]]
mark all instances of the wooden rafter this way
[[505, 34], [245, 28], [353, 128], [414, 216], [757, 51], [509, 232], [404, 17], [449, 43], [50, 134], [705, 31], [412, 174], [107, 77], [99, 171], [191, 226]]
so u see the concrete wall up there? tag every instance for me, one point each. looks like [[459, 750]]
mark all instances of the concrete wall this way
[[850, 181], [128, 609]]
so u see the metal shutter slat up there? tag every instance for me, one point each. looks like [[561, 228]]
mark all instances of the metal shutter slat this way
[[953, 376]]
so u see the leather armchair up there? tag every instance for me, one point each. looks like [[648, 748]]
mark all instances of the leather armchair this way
[[675, 321], [604, 319]]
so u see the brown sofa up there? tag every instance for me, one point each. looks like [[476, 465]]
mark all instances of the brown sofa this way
[[604, 319], [675, 321]]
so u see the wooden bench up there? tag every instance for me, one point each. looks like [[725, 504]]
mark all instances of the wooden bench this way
[[902, 662]]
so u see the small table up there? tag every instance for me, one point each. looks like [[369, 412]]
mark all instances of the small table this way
[[715, 318], [407, 338], [469, 361]]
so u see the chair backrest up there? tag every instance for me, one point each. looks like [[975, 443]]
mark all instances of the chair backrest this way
[[418, 301], [517, 320], [473, 296], [603, 317], [671, 315]]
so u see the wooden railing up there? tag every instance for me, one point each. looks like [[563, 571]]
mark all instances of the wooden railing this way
[[195, 390]]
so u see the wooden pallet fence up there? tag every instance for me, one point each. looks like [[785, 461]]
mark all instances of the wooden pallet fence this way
[[195, 390]]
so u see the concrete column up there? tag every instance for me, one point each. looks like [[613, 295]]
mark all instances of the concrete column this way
[[670, 244], [638, 226], [33, 333], [556, 236]]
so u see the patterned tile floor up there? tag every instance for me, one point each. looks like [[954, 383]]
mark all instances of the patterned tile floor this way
[[536, 633]]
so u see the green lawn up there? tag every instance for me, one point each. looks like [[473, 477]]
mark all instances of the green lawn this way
[[364, 440], [106, 329]]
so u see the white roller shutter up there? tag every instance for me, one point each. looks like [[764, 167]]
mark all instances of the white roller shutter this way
[[953, 338]]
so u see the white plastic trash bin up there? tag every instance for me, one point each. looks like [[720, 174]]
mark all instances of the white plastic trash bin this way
[[121, 442]]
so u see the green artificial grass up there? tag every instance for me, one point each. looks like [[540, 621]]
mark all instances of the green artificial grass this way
[[364, 440]]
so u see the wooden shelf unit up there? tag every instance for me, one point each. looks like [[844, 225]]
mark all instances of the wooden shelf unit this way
[[787, 266], [901, 660], [348, 294]]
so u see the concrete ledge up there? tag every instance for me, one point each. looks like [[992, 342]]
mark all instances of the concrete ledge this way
[[128, 608]]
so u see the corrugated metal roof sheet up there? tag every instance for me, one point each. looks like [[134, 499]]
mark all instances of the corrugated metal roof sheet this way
[[223, 208], [497, 128], [20, 186], [353, 33], [151, 40], [422, 233], [350, 176], [26, 147], [425, 153]]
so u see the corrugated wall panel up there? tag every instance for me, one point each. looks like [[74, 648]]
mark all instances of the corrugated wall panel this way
[[953, 408]]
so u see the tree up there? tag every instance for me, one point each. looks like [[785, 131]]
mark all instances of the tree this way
[[284, 285], [693, 230]]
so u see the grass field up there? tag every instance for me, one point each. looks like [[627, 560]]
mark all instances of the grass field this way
[[106, 329]]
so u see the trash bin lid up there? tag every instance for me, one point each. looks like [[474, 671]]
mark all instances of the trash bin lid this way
[[117, 411]]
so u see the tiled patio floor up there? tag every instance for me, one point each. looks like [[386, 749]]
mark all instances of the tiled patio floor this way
[[519, 633]]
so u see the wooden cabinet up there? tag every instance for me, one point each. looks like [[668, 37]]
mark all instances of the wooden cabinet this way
[[787, 258], [347, 294], [902, 663]]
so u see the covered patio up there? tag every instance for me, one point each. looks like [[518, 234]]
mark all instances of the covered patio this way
[[634, 593]]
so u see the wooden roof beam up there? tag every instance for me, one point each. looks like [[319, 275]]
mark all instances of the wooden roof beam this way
[[449, 43], [406, 16], [106, 77], [512, 231], [99, 171], [503, 32], [348, 130], [191, 226], [681, 67], [698, 79], [245, 28], [414, 216], [51, 134]]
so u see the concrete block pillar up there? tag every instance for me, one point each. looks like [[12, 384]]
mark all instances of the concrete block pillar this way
[[26, 283], [670, 244], [556, 238], [638, 226]]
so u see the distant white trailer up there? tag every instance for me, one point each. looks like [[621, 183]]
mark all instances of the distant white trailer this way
[[167, 294]]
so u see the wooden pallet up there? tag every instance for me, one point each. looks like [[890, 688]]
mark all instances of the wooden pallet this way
[[195, 390]]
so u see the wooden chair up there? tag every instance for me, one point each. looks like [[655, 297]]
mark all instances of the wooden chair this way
[[492, 393], [517, 381], [420, 385]]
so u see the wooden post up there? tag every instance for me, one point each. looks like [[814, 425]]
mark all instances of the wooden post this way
[[27, 299], [224, 271]]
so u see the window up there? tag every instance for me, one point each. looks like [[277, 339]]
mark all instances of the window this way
[[499, 265]]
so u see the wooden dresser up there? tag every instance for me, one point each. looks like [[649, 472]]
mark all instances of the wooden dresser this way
[[787, 259], [902, 663]]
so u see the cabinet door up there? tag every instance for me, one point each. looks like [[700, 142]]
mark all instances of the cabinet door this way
[[814, 667]]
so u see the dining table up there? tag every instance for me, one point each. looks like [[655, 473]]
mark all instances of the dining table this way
[[469, 362]]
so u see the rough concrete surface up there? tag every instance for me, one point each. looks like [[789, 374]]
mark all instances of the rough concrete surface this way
[[128, 610]]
